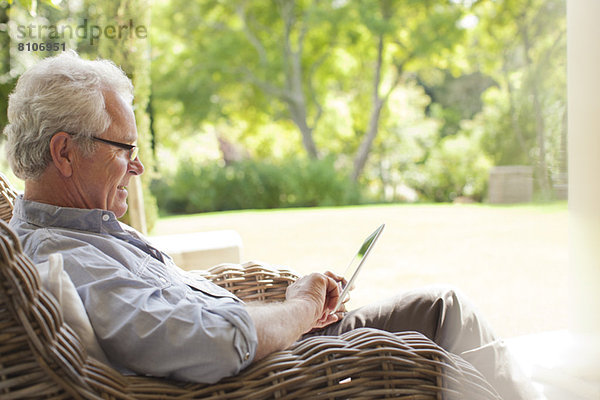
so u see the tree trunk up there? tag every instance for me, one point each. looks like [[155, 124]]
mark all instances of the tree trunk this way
[[540, 129], [292, 92], [514, 119], [542, 174], [298, 114], [295, 97], [362, 154]]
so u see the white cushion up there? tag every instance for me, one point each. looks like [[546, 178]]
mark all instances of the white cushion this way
[[201, 250], [57, 282]]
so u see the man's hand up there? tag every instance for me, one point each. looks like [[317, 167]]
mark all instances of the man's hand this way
[[308, 306], [341, 282], [321, 291]]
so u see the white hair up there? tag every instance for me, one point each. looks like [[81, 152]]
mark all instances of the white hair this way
[[59, 94]]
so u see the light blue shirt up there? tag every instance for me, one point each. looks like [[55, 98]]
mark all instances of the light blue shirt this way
[[149, 316]]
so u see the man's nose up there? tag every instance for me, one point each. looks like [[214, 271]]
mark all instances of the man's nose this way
[[136, 167]]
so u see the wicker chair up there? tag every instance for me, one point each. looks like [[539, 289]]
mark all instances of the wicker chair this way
[[42, 357], [7, 197]]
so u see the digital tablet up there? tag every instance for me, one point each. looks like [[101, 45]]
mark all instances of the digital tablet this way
[[356, 264]]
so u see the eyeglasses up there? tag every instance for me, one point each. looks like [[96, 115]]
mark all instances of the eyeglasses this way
[[133, 149]]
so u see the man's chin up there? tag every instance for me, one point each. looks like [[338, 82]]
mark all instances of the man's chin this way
[[120, 216], [120, 203], [119, 211]]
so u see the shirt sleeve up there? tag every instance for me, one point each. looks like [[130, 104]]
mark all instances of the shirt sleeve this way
[[155, 327]]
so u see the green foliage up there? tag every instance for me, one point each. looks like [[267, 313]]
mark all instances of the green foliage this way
[[523, 48], [259, 63], [269, 75], [454, 99], [197, 187], [5, 90], [508, 137], [455, 167]]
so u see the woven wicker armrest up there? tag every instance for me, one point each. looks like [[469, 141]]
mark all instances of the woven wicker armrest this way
[[365, 363], [251, 281]]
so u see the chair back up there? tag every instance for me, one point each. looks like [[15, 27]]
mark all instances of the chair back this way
[[42, 357], [7, 198]]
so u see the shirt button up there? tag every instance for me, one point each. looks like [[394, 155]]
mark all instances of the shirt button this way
[[105, 217], [246, 356]]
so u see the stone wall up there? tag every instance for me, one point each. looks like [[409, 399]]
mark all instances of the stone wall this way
[[510, 184]]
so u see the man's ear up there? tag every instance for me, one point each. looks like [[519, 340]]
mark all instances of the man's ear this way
[[61, 150]]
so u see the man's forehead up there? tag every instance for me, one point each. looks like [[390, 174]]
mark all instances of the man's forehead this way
[[121, 114], [114, 101]]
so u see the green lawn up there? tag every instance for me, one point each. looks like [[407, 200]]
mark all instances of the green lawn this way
[[512, 261]]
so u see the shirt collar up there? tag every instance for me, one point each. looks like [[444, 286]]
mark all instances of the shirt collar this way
[[47, 215]]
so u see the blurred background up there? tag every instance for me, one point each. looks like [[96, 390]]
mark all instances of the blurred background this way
[[446, 119]]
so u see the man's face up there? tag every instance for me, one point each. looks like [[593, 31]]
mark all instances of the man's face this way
[[102, 178]]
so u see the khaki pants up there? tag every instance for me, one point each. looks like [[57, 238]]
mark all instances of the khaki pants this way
[[447, 318]]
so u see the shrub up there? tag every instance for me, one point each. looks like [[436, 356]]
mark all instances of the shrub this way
[[197, 187], [456, 167]]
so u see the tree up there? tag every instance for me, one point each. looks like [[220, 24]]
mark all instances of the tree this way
[[530, 36], [256, 53], [255, 62], [409, 35]]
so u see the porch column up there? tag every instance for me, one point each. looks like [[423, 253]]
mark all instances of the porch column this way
[[583, 77]]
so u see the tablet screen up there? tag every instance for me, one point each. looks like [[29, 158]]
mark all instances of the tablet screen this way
[[357, 262]]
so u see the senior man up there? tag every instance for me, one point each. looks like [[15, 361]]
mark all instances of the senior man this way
[[72, 139]]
